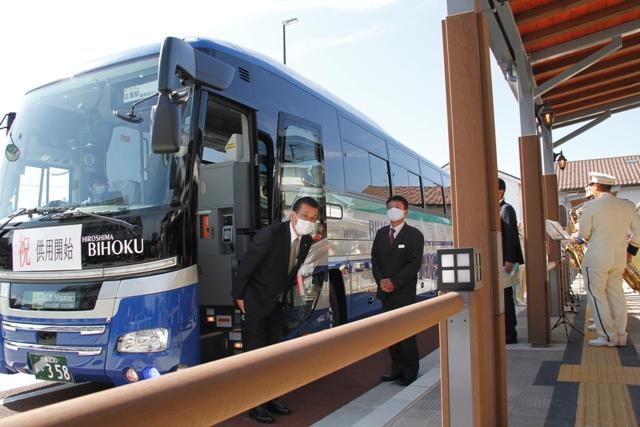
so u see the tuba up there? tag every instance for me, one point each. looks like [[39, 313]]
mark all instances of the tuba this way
[[575, 251]]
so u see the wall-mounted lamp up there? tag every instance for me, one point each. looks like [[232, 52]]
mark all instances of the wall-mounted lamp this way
[[545, 115], [459, 269], [560, 159]]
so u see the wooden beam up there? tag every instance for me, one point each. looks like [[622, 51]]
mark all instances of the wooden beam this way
[[593, 84], [552, 67], [632, 85], [588, 20], [627, 63], [548, 10], [598, 102]]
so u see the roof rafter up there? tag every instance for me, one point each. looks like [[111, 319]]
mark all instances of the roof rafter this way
[[547, 10], [590, 19], [628, 28]]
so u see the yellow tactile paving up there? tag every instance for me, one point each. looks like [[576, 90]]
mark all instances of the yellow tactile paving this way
[[603, 396]]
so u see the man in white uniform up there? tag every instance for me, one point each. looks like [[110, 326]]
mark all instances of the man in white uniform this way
[[604, 223]]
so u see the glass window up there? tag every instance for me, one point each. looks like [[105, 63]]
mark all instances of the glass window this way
[[302, 172], [432, 173], [225, 134], [357, 169], [265, 173], [415, 190], [407, 185], [379, 177], [361, 137], [404, 158], [433, 197], [447, 194]]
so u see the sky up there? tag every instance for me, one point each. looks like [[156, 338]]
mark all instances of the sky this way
[[384, 57]]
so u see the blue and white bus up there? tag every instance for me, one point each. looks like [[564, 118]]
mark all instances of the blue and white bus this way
[[130, 190]]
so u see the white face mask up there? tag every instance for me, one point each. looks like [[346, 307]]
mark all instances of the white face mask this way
[[395, 214], [304, 227]]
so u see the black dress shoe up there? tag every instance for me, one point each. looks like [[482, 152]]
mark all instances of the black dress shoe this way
[[404, 381], [512, 340], [390, 377], [276, 407], [261, 414]]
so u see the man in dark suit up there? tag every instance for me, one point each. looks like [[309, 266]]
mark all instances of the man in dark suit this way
[[265, 273], [396, 257], [511, 255]]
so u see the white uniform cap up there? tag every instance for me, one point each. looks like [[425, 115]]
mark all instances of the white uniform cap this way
[[601, 178]]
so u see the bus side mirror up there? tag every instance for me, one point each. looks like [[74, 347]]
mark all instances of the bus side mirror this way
[[165, 125]]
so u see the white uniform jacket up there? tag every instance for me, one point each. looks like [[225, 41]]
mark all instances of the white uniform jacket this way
[[605, 222]]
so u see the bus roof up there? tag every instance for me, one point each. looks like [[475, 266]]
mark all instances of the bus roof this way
[[259, 60]]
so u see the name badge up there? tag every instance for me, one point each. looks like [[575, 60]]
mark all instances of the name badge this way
[[400, 246]]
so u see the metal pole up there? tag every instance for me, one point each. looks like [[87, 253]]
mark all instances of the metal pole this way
[[547, 152], [284, 44]]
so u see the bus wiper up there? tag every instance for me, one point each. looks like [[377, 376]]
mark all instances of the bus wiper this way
[[73, 213], [40, 211]]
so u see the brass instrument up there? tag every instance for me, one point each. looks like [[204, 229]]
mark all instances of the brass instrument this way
[[575, 250], [631, 275]]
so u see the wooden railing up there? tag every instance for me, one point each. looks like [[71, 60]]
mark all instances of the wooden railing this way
[[213, 392]]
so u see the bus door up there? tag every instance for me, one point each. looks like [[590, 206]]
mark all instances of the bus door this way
[[300, 172], [225, 215]]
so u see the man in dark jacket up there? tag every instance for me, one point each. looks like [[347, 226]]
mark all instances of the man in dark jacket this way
[[511, 255], [396, 257], [265, 273]]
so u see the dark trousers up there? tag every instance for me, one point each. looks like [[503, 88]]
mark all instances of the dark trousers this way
[[405, 359], [262, 331], [510, 315]]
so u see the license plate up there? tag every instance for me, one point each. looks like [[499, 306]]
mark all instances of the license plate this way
[[51, 368]]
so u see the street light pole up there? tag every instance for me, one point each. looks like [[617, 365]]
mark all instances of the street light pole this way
[[284, 37]]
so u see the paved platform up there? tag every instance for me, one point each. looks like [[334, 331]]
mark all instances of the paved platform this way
[[567, 383]]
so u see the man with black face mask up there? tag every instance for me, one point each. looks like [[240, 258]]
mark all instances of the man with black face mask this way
[[396, 257], [265, 274]]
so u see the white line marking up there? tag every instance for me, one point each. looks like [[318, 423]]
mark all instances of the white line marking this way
[[19, 397]]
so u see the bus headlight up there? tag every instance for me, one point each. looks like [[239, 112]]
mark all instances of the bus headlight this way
[[145, 341]]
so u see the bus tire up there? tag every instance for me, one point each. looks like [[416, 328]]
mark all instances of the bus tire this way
[[337, 299]]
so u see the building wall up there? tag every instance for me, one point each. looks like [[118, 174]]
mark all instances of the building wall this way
[[631, 193]]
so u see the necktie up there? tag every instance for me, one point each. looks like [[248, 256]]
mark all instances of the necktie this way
[[293, 254], [392, 237]]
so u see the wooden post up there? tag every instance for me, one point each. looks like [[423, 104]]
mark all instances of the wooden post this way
[[538, 313], [474, 178], [552, 211]]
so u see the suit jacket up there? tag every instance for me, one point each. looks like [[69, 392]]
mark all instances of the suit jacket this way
[[262, 272], [605, 222], [400, 263], [511, 249]]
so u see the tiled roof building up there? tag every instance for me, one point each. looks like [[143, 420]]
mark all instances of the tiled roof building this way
[[626, 169]]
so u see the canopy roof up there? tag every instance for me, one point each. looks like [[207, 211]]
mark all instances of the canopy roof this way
[[589, 48]]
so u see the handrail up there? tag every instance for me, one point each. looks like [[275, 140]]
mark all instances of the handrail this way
[[213, 392]]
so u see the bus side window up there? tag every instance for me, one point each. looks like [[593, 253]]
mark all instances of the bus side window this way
[[434, 197], [301, 169], [407, 184], [265, 177]]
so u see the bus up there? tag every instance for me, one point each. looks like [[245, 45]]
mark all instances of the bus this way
[[130, 190]]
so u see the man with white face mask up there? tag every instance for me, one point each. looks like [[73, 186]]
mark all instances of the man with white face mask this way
[[396, 257], [265, 274]]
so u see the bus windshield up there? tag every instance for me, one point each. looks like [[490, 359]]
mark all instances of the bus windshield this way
[[74, 152]]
